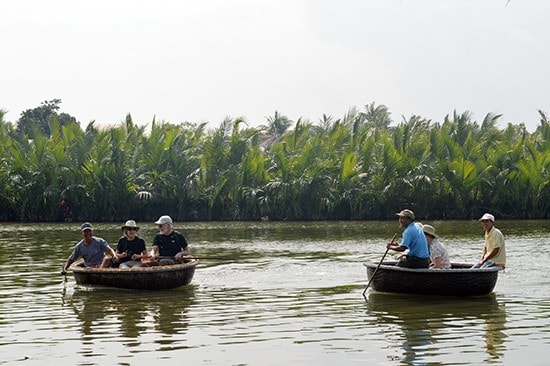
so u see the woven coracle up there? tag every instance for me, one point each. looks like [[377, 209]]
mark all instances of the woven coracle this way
[[460, 280], [137, 278]]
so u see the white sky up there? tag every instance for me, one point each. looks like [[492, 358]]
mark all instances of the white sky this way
[[204, 60]]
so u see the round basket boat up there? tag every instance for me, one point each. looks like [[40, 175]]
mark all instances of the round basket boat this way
[[140, 278], [460, 280]]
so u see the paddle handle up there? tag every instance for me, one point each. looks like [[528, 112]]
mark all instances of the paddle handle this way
[[378, 266]]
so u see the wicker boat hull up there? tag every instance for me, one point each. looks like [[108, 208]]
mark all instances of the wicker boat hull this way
[[141, 278], [460, 280]]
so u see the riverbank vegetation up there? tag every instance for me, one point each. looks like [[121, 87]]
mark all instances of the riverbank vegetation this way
[[361, 166]]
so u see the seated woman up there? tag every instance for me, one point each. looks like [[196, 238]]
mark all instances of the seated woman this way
[[439, 258], [131, 248]]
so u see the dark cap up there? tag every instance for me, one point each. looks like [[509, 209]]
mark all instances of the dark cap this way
[[406, 213], [86, 226]]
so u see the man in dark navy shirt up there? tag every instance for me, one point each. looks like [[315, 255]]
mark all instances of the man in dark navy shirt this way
[[169, 242]]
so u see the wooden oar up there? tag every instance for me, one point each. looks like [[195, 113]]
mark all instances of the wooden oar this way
[[381, 260]]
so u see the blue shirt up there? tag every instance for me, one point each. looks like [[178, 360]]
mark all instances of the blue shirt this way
[[415, 240]]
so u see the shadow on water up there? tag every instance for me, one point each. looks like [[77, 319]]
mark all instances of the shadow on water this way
[[426, 325]]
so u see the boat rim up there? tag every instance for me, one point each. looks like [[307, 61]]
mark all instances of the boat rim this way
[[390, 265], [75, 267]]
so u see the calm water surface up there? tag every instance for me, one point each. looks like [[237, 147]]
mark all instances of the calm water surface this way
[[272, 294]]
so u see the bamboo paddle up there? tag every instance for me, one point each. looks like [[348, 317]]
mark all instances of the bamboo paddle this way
[[381, 260]]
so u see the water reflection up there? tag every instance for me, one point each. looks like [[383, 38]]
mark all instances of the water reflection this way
[[287, 293], [495, 321], [426, 326], [136, 312], [170, 310]]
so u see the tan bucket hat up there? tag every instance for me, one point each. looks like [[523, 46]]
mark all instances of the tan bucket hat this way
[[429, 229], [130, 224]]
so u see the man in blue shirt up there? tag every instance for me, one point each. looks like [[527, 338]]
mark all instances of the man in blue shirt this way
[[414, 241]]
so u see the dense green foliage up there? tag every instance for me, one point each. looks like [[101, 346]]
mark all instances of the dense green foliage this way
[[356, 167], [41, 118]]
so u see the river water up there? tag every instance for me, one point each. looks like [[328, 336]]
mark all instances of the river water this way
[[272, 294]]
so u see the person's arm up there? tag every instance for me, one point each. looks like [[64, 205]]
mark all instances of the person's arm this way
[[112, 252], [121, 249], [486, 256], [142, 254], [184, 247], [118, 255], [437, 263], [482, 259], [405, 241], [137, 257], [66, 266], [74, 255], [396, 247], [184, 252], [155, 251]]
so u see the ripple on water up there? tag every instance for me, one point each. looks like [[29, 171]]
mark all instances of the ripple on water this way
[[288, 302]]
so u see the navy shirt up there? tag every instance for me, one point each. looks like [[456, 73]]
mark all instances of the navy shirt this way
[[131, 247], [170, 245]]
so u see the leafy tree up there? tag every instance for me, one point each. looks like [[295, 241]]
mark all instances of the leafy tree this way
[[277, 125], [40, 118], [354, 167]]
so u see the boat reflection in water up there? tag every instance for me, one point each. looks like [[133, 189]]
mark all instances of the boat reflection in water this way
[[425, 326], [102, 311]]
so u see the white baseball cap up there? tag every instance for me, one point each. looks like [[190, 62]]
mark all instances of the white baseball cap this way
[[164, 220], [487, 216]]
